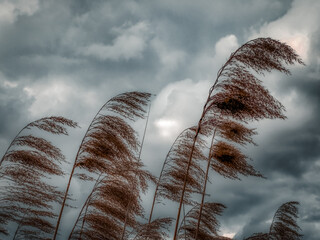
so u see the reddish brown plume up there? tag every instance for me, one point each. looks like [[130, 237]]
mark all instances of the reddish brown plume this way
[[172, 176], [209, 224], [26, 196], [258, 236], [109, 158], [236, 96], [284, 224], [109, 154], [155, 230]]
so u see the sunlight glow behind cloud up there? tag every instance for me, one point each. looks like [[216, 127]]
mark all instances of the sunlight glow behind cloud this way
[[230, 235], [166, 127], [295, 28]]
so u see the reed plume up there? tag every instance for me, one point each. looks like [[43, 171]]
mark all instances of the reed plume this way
[[172, 174], [170, 182], [114, 205], [236, 95], [240, 97], [106, 209], [26, 195], [155, 230], [258, 236], [284, 224], [108, 152], [108, 156], [220, 238], [209, 223]]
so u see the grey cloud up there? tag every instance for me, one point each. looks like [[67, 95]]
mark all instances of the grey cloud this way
[[47, 46], [291, 152], [14, 114], [290, 156], [59, 29]]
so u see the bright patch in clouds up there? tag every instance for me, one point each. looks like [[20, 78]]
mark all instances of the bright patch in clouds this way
[[179, 106], [10, 10], [300, 43], [47, 97], [58, 97], [225, 46], [166, 127], [229, 235], [5, 83], [129, 44], [296, 27]]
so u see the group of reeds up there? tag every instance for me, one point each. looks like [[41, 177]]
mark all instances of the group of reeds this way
[[109, 162]]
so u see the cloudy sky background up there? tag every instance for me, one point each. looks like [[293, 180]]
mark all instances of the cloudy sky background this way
[[68, 57]]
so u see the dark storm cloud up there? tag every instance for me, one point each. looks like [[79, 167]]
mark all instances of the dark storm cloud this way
[[289, 157], [50, 40], [290, 161], [291, 152], [54, 41], [14, 114]]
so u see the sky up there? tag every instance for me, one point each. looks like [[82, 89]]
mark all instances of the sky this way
[[68, 57]]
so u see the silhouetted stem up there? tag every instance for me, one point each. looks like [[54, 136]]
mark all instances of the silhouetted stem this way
[[64, 201], [72, 171], [18, 227], [125, 222], [144, 133], [154, 199], [205, 185], [184, 219], [15, 233], [185, 178], [159, 179], [129, 203], [75, 224], [3, 157], [86, 204], [184, 223], [190, 160], [196, 137], [271, 226], [17, 230]]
